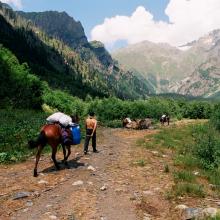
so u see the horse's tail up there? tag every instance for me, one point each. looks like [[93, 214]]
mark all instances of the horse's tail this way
[[41, 140]]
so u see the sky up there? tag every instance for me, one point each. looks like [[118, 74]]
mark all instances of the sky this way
[[117, 23]]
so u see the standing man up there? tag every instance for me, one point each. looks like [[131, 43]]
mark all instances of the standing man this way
[[91, 125]]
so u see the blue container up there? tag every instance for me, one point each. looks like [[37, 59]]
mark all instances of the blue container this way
[[75, 129]]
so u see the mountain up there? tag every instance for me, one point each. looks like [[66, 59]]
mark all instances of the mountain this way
[[175, 70], [158, 63], [205, 79], [71, 64], [58, 25], [93, 53]]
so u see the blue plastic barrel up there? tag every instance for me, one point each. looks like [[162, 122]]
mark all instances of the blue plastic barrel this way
[[75, 129]]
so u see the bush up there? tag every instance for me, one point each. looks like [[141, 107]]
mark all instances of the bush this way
[[198, 110], [195, 190], [215, 117], [64, 102], [184, 176], [113, 124], [17, 127], [207, 142]]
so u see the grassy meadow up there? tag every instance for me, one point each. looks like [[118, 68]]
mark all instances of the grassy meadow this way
[[193, 146]]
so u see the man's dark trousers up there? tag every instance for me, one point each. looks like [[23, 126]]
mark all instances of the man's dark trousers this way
[[87, 139]]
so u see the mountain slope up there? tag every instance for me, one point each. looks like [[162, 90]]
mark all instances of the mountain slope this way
[[205, 79], [19, 88], [93, 53], [159, 63], [59, 25], [170, 69]]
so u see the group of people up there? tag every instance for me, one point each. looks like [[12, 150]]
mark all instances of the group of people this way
[[66, 122]]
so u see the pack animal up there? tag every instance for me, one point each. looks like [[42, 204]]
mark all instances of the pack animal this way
[[137, 124], [51, 134], [165, 119]]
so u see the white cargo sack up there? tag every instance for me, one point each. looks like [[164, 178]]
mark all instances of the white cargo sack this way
[[61, 118]]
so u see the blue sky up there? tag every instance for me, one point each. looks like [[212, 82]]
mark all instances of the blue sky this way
[[93, 12]]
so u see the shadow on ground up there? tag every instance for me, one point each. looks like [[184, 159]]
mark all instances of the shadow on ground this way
[[72, 164]]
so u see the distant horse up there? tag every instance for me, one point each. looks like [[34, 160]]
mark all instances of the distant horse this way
[[137, 123], [165, 119], [125, 122], [51, 134]]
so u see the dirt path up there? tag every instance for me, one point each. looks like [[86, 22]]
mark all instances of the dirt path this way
[[129, 191]]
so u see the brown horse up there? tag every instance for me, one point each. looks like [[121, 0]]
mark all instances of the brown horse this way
[[51, 134]]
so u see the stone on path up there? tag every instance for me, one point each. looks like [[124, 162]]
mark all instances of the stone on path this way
[[147, 216], [103, 188], [78, 183], [53, 217], [29, 203], [25, 210], [156, 153], [91, 168], [192, 213], [181, 207], [210, 212], [148, 193], [42, 182], [21, 195], [198, 213]]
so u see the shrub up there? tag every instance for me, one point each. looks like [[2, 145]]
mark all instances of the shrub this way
[[184, 176], [113, 124], [64, 102], [215, 117], [181, 189], [199, 110], [17, 127], [207, 142]]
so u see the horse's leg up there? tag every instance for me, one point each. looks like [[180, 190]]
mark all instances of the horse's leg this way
[[69, 151], [64, 153], [37, 159], [68, 154], [54, 151]]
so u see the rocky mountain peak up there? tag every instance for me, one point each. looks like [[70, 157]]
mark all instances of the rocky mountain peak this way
[[60, 25], [4, 5]]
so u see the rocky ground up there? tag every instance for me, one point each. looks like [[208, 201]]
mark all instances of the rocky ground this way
[[110, 185]]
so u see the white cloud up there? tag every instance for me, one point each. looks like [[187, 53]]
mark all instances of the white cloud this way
[[188, 20], [16, 3]]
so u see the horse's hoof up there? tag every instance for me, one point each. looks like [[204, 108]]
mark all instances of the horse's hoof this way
[[35, 174], [67, 165], [57, 167]]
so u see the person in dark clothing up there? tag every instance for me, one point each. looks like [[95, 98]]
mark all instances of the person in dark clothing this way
[[91, 125]]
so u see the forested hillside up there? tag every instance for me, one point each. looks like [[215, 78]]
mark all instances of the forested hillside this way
[[63, 67], [63, 27], [19, 88]]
